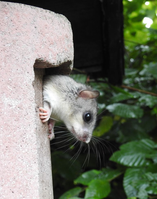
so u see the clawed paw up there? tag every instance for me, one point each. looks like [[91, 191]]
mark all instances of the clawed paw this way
[[44, 114], [51, 124], [51, 136]]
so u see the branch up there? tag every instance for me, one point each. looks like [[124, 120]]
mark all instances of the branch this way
[[139, 90]]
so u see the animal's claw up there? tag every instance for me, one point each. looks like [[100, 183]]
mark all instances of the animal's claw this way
[[44, 114]]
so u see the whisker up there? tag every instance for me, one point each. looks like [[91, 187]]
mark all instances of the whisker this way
[[65, 145], [106, 145], [59, 132], [74, 158], [60, 127], [96, 151], [62, 141], [71, 145], [102, 152], [87, 156], [88, 153], [76, 155], [97, 140], [62, 136], [98, 145]]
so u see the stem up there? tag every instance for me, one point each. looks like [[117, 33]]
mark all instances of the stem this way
[[139, 90], [80, 71], [150, 197]]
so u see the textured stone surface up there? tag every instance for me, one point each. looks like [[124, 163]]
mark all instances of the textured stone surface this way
[[29, 37]]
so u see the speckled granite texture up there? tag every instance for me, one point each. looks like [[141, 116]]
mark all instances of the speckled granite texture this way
[[29, 37]]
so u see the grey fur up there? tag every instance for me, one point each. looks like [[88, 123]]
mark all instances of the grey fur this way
[[61, 93]]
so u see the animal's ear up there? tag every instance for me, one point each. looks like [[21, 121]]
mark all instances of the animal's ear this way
[[87, 94]]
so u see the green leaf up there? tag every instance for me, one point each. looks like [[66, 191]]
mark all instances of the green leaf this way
[[133, 181], [87, 177], [133, 129], [148, 100], [148, 123], [152, 156], [151, 176], [79, 78], [120, 97], [130, 72], [119, 90], [104, 126], [98, 189], [92, 198], [152, 189], [152, 168], [142, 193], [75, 198], [110, 174], [138, 183], [105, 174], [154, 111], [134, 153], [71, 193], [151, 68], [125, 111]]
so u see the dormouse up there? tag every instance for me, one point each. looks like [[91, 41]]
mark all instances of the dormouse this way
[[73, 103]]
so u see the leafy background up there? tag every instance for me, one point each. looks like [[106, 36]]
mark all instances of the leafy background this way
[[121, 161]]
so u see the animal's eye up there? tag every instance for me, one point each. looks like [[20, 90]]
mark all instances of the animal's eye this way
[[87, 117]]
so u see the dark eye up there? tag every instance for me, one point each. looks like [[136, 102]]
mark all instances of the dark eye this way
[[87, 117]]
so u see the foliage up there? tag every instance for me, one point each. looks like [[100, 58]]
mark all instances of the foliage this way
[[128, 119], [140, 173]]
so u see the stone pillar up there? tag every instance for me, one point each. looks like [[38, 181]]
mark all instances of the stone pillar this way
[[29, 37]]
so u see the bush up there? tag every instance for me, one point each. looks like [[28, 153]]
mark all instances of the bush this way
[[128, 120]]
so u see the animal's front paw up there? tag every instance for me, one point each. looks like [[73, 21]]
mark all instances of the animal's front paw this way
[[51, 124], [44, 114]]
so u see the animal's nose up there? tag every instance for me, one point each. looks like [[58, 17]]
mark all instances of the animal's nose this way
[[84, 137]]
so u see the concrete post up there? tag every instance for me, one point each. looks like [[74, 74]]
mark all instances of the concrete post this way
[[29, 37]]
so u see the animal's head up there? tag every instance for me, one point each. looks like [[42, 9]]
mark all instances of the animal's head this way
[[83, 116]]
